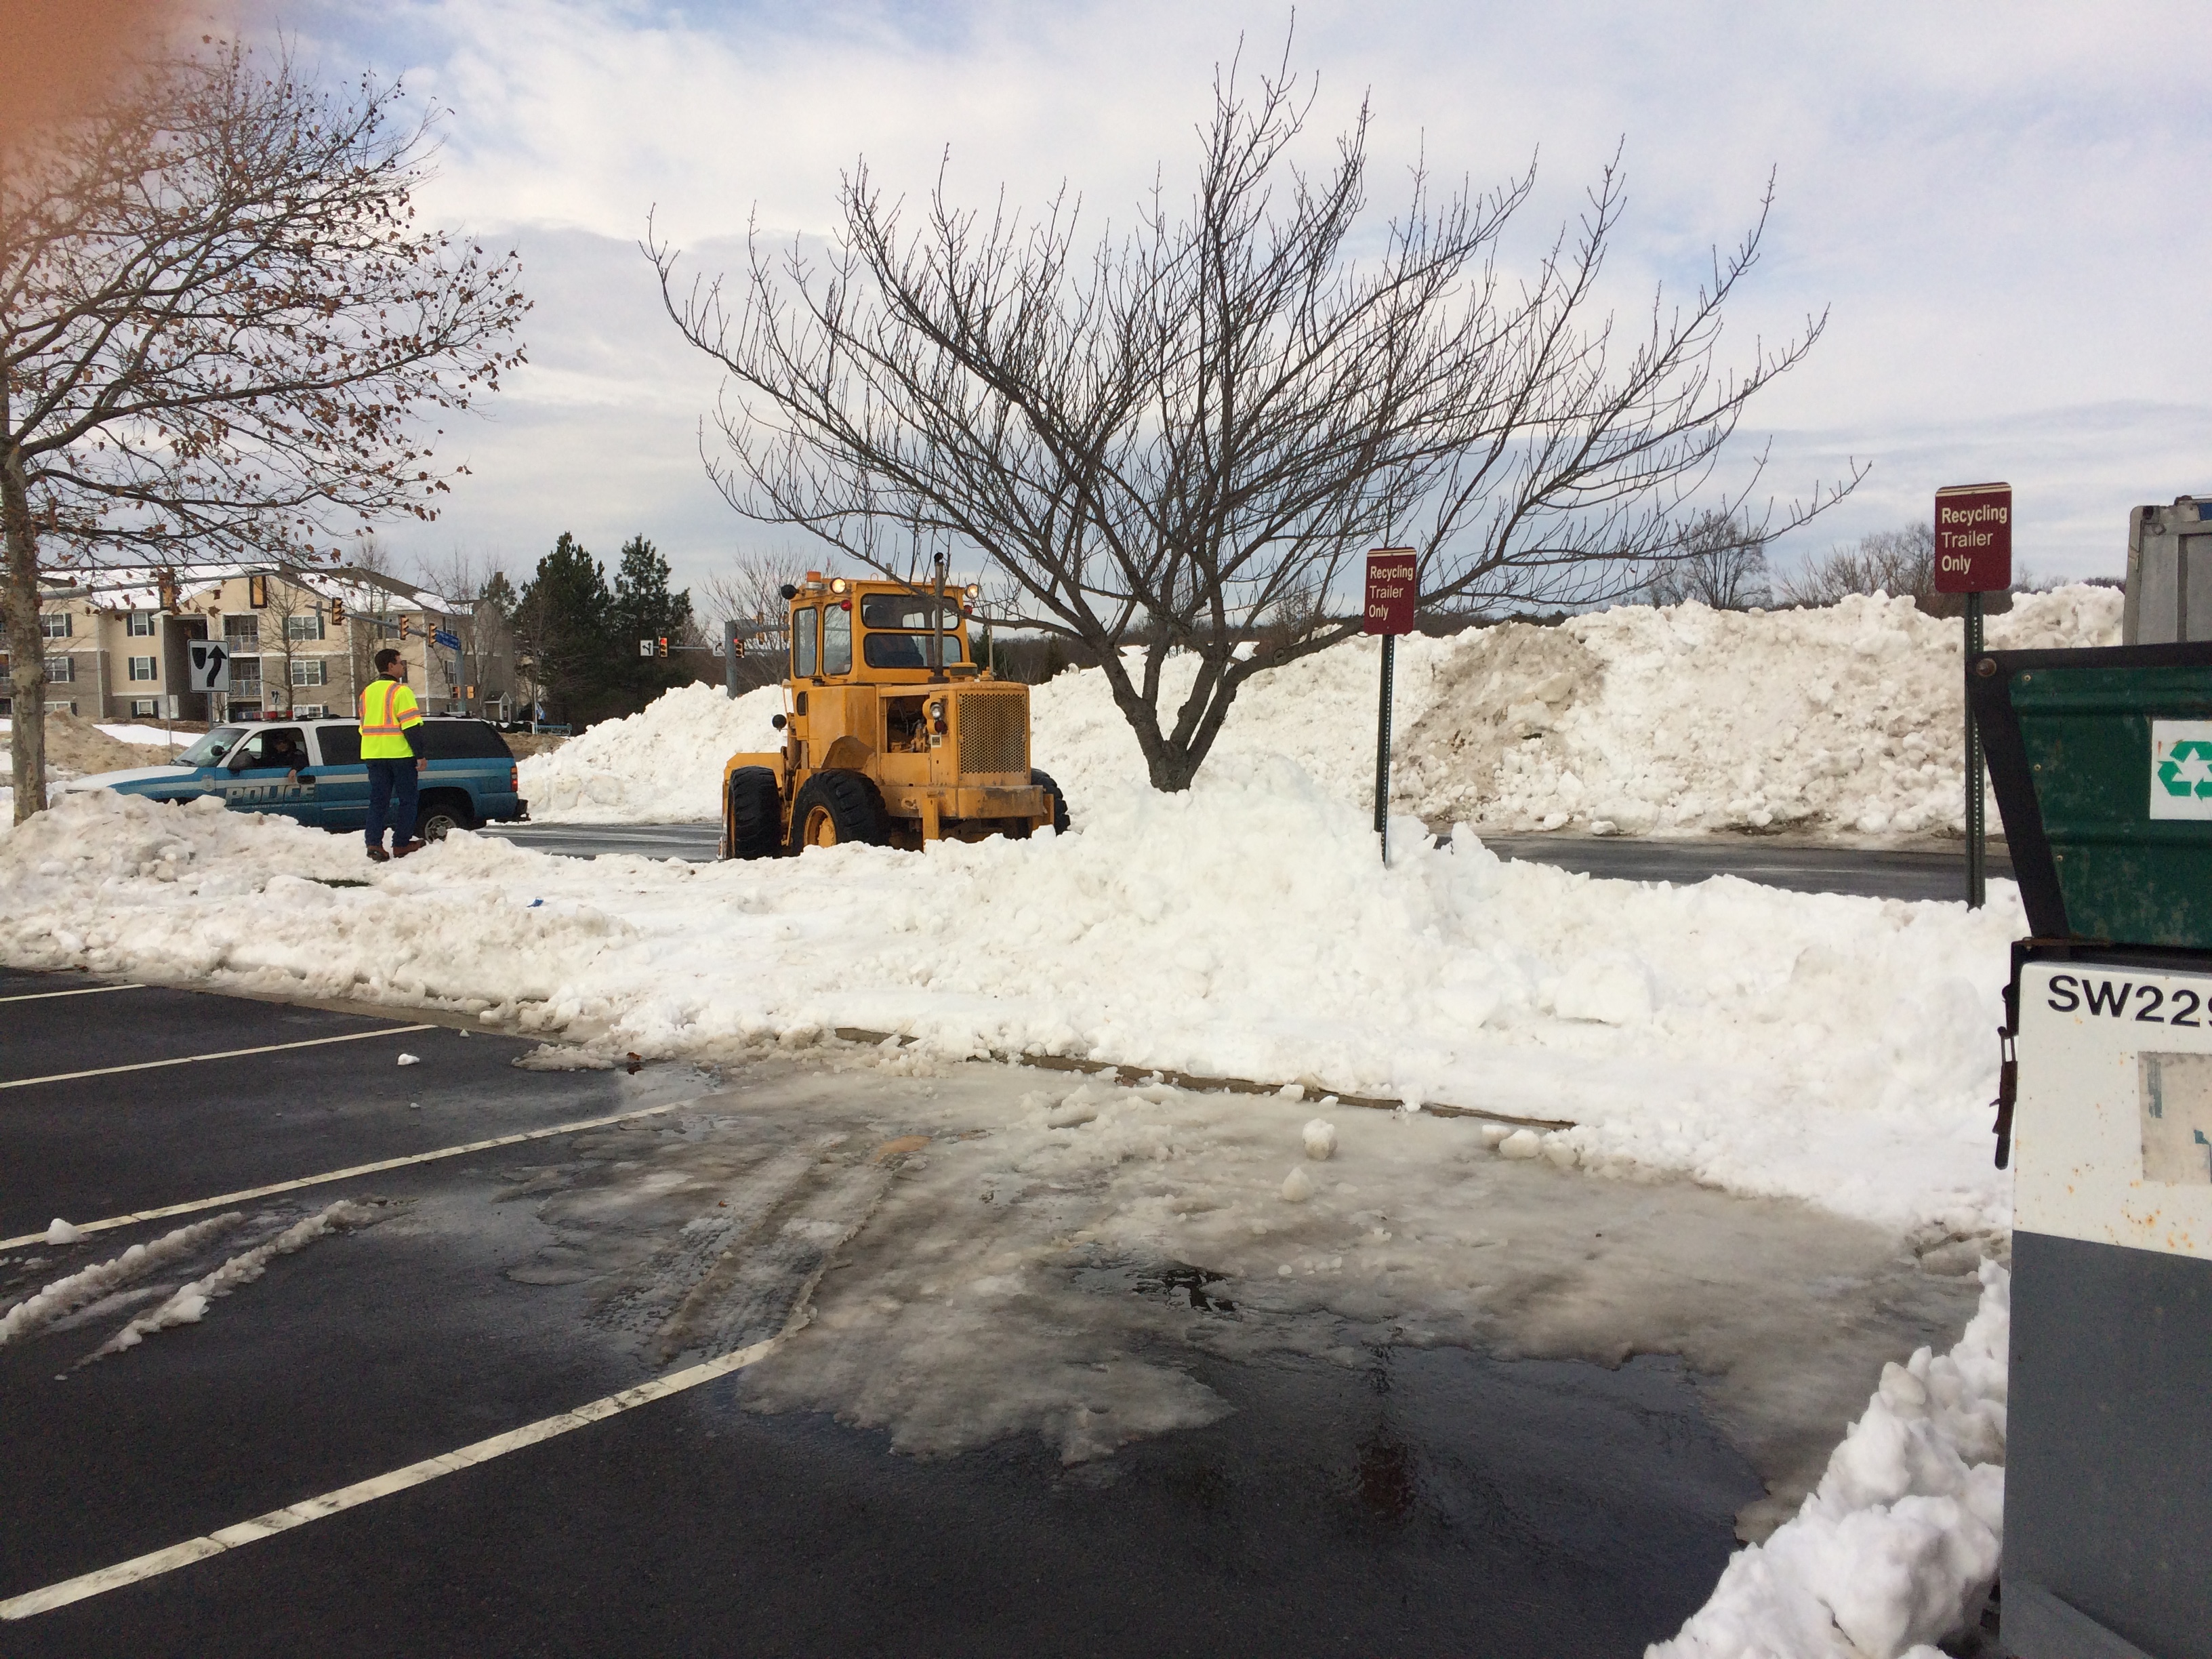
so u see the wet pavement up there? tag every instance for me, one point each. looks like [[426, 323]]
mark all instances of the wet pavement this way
[[1389, 1497]]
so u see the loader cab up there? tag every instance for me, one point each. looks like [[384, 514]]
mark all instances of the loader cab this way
[[879, 633]]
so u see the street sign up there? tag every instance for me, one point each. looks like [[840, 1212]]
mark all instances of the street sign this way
[[209, 669], [1393, 576], [447, 638], [645, 648], [1973, 538]]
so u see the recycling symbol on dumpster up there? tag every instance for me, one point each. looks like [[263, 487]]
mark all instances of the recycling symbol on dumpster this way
[[2188, 770]]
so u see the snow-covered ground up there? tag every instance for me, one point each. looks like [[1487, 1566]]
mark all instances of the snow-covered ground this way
[[1838, 722], [1830, 1048]]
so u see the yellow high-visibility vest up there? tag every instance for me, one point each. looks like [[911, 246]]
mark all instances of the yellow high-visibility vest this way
[[387, 715]]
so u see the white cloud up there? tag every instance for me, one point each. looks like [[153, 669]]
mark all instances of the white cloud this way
[[1996, 203]]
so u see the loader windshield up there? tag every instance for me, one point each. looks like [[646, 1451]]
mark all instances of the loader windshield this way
[[898, 627]]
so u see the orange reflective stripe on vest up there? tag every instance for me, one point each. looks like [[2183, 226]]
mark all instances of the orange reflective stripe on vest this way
[[386, 726]]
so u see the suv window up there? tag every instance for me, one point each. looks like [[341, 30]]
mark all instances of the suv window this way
[[272, 745], [341, 745], [452, 739]]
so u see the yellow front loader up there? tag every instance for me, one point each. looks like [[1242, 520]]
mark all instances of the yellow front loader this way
[[892, 734]]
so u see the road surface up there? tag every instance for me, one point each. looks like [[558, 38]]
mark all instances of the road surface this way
[[1877, 873]]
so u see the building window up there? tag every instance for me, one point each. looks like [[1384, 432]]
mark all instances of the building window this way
[[144, 708], [60, 707], [306, 627], [56, 625], [242, 630], [141, 625], [60, 671], [143, 668], [311, 711], [244, 676], [311, 670]]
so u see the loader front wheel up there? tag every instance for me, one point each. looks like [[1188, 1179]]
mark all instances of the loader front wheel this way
[[834, 806], [754, 817]]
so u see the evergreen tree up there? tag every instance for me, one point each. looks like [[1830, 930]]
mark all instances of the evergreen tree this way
[[563, 629], [644, 609]]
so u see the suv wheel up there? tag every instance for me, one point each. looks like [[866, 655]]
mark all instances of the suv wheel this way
[[440, 818]]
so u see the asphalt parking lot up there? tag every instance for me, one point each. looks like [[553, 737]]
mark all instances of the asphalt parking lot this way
[[1427, 1500]]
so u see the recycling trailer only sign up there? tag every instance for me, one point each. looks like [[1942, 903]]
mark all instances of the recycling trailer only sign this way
[[2181, 768]]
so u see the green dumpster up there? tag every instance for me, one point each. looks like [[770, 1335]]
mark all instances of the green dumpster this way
[[2101, 760]]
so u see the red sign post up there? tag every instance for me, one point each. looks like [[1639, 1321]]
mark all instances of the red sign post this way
[[1393, 579], [1973, 556]]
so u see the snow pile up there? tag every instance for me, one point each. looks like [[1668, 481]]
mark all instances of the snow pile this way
[[662, 766], [1842, 720], [1636, 720], [1821, 1047], [1898, 1546]]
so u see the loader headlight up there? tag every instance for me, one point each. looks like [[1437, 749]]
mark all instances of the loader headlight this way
[[838, 586], [974, 591]]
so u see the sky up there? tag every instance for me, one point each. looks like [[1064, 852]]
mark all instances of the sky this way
[[1997, 208]]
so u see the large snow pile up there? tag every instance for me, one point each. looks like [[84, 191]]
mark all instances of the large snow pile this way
[[662, 766], [1898, 1546], [1830, 1049], [1634, 720], [1843, 720]]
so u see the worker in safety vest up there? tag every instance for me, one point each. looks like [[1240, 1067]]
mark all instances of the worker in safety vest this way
[[388, 717]]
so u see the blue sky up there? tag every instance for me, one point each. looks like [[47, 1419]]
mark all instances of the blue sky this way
[[1999, 206]]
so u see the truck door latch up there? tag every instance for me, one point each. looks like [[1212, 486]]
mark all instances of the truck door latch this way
[[2008, 1091]]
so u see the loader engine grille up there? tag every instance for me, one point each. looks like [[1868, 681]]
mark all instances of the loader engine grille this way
[[994, 734]]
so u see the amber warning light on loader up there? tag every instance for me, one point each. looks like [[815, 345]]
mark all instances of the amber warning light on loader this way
[[1973, 538], [1393, 577]]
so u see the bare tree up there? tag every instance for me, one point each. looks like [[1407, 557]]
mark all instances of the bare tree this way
[[749, 592], [471, 586], [218, 324], [1898, 563], [1720, 561], [1175, 433]]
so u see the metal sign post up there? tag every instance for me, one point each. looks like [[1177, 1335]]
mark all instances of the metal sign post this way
[[1393, 582], [1973, 556]]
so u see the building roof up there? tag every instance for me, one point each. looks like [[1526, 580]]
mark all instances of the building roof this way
[[137, 587]]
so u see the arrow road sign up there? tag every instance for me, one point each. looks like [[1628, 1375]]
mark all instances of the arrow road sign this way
[[210, 665]]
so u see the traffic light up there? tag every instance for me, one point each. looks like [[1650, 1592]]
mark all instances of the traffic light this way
[[337, 613], [663, 647], [404, 622]]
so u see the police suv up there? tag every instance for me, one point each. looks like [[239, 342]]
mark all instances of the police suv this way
[[312, 770]]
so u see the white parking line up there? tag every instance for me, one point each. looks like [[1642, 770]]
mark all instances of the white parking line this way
[[86, 991], [228, 1054], [97, 1583], [240, 1197]]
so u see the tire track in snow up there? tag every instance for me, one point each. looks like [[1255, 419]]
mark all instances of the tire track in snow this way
[[189, 1305], [87, 1286]]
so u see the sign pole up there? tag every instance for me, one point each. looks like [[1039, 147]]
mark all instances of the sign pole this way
[[1394, 575], [1976, 853], [1382, 748], [1973, 556]]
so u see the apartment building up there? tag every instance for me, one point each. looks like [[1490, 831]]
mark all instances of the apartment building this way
[[300, 641]]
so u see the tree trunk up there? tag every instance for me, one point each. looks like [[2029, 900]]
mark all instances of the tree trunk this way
[[26, 734]]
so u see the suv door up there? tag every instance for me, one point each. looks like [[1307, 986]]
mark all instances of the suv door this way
[[270, 770], [341, 780]]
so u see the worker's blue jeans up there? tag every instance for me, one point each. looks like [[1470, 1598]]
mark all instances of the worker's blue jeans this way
[[391, 800]]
